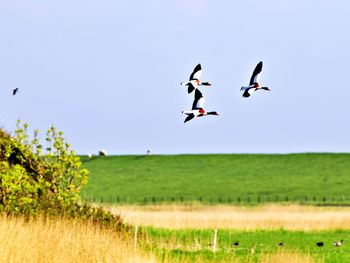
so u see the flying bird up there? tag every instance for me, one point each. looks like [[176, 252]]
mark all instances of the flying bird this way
[[254, 84], [338, 243], [194, 80], [197, 107], [14, 92]]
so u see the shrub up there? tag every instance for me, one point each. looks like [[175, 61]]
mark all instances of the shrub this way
[[32, 179], [36, 180]]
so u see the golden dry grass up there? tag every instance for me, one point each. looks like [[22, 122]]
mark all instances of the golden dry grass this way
[[290, 217], [287, 257], [61, 240]]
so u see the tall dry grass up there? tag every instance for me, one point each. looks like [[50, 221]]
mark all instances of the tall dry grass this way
[[290, 217], [62, 240], [288, 257]]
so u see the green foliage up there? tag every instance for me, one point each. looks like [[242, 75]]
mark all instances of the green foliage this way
[[19, 192], [228, 178], [33, 179], [44, 180]]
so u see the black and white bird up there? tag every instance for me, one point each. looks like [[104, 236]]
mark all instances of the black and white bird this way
[[254, 84], [14, 92], [197, 107], [195, 80], [338, 243]]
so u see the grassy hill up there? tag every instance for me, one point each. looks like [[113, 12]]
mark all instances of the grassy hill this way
[[230, 178]]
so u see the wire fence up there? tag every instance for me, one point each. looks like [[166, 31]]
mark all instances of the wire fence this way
[[234, 200]]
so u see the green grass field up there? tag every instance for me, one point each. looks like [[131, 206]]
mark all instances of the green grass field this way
[[232, 178], [197, 244]]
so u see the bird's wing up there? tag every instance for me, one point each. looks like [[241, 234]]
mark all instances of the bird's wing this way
[[198, 100], [189, 117], [247, 92], [190, 87], [197, 72], [256, 73]]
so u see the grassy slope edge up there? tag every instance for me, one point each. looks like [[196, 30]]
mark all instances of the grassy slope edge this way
[[321, 177]]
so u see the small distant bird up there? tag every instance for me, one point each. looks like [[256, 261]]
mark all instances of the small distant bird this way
[[236, 243], [319, 244], [281, 244], [338, 243], [14, 92], [195, 81], [197, 107], [254, 84]]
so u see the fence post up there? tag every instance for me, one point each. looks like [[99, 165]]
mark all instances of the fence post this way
[[214, 241], [248, 199], [135, 236]]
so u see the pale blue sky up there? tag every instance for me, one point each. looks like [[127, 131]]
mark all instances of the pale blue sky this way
[[107, 73]]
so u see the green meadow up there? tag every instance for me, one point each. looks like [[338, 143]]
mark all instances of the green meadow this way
[[195, 245], [237, 179], [316, 178]]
